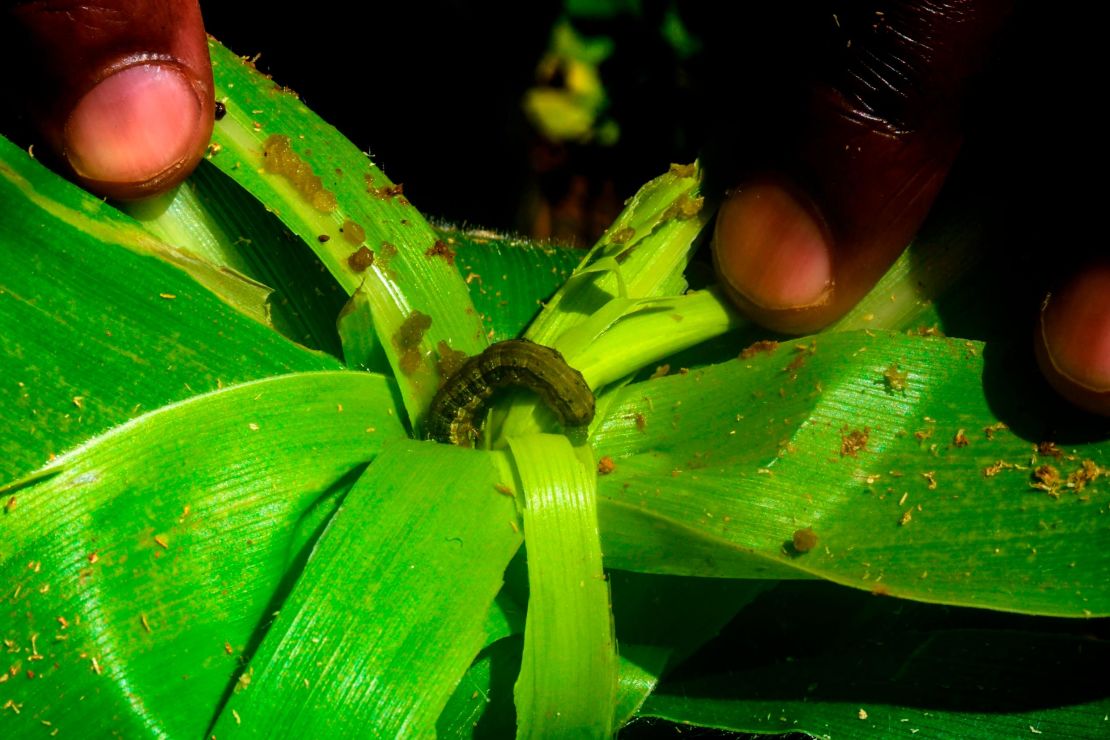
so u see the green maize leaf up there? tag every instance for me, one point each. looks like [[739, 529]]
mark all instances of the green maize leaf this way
[[833, 663], [882, 452], [659, 620], [863, 459], [181, 218], [137, 568], [32, 194], [392, 606], [778, 701], [360, 225], [505, 618], [509, 279], [568, 675], [947, 250], [212, 217], [361, 348], [482, 705], [662, 619], [640, 259], [655, 329], [98, 329], [642, 255]]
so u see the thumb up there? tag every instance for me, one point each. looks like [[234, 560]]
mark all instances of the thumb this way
[[119, 90], [847, 187]]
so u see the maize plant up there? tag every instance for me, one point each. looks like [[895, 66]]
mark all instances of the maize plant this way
[[223, 515]]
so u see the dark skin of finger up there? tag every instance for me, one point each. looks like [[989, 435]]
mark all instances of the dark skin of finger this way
[[857, 164], [1070, 340], [866, 150], [77, 46]]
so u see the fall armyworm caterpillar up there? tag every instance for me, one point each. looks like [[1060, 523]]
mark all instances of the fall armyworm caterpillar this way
[[460, 404]]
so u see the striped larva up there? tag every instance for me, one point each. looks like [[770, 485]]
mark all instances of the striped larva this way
[[460, 405]]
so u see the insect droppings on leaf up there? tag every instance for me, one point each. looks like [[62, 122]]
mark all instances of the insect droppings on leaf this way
[[1047, 478], [683, 208], [683, 170], [852, 442], [804, 540], [621, 236], [802, 353], [449, 360], [992, 470], [407, 340], [625, 254], [386, 252], [385, 191], [1088, 472], [1049, 449], [895, 379], [353, 233], [441, 249], [990, 431], [280, 159], [361, 259], [763, 345]]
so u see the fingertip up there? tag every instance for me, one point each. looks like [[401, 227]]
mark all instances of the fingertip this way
[[774, 255], [1073, 339], [138, 131]]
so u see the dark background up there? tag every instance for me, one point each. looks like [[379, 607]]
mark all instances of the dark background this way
[[433, 90]]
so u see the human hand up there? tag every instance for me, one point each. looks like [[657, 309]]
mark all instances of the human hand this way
[[120, 91], [837, 191]]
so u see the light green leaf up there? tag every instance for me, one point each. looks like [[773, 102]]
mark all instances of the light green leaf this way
[[210, 216], [643, 255], [359, 224], [392, 607], [137, 569], [883, 447], [98, 328], [568, 676]]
